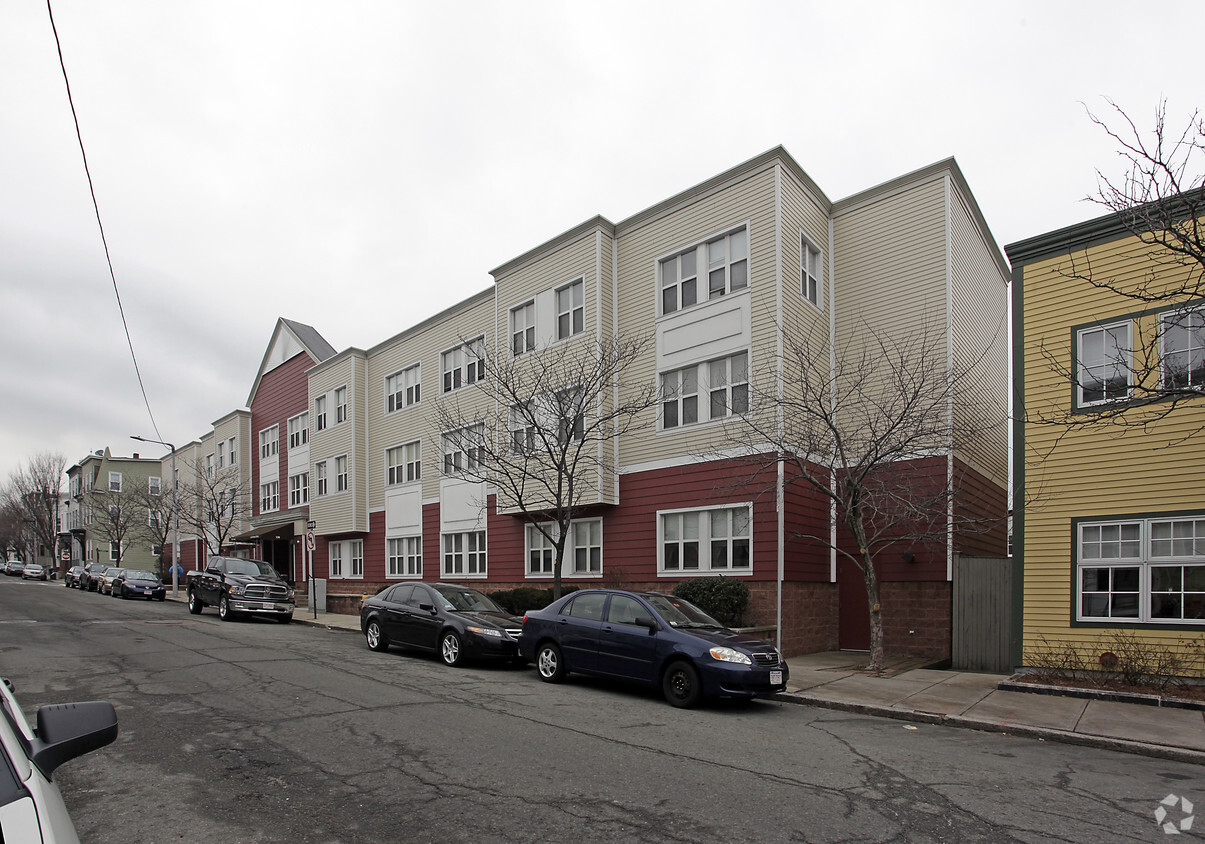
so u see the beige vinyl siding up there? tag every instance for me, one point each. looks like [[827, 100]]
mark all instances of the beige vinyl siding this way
[[340, 512], [979, 322], [748, 200], [578, 259], [1090, 472], [424, 344], [238, 425]]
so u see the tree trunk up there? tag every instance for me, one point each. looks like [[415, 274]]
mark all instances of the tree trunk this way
[[876, 613]]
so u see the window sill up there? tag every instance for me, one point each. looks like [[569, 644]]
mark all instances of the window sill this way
[[704, 572]]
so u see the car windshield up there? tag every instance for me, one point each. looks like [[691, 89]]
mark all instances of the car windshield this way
[[254, 568], [680, 613], [114, 572], [466, 600], [140, 575]]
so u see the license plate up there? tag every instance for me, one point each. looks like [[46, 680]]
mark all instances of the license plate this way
[[775, 678]]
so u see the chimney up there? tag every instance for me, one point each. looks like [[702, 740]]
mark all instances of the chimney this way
[[135, 455]]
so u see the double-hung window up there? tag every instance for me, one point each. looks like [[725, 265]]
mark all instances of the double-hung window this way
[[723, 262], [232, 452], [462, 450], [299, 489], [571, 415], [522, 429], [221, 455], [463, 365], [269, 497], [403, 464], [209, 465], [728, 385], [583, 550], [335, 550], [115, 482], [320, 413], [1183, 353], [812, 272], [341, 473], [464, 554], [349, 551], [712, 539], [1104, 363], [1143, 571], [523, 329], [680, 397], [154, 485], [320, 478], [404, 556], [267, 441], [402, 389], [356, 552], [570, 312], [340, 405], [725, 382], [299, 431]]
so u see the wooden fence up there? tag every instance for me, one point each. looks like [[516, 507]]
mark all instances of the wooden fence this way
[[982, 614]]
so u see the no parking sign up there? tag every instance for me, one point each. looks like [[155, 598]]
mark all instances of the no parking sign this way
[[309, 540]]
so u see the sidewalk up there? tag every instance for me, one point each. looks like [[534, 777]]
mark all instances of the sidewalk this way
[[910, 692]]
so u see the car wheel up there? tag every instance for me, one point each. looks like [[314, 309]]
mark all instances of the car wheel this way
[[194, 603], [450, 650], [375, 637], [224, 612], [681, 685], [285, 619], [549, 663]]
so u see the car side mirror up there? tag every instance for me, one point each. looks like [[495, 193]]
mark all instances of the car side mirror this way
[[428, 607], [645, 621], [68, 730]]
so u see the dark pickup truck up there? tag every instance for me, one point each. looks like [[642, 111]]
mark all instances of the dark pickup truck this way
[[238, 587]]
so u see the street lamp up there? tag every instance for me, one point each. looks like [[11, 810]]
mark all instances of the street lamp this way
[[175, 517]]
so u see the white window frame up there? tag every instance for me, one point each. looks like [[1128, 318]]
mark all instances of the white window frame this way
[[455, 461], [811, 263], [342, 476], [320, 479], [299, 430], [692, 390], [268, 441], [1105, 548], [299, 489], [1190, 321], [115, 480], [523, 328], [404, 558], [154, 485], [114, 551], [540, 555], [403, 388], [209, 465], [232, 451], [356, 559], [269, 497], [1123, 360], [222, 454], [728, 381], [334, 560], [465, 555], [672, 529], [462, 365], [341, 412], [404, 463], [320, 413], [570, 309], [691, 273]]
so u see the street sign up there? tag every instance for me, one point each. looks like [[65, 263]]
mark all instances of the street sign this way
[[309, 540], [310, 525]]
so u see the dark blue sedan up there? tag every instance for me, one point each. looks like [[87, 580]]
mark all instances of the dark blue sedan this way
[[650, 638]]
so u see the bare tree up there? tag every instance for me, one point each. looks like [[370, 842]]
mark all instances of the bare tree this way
[[541, 429], [1160, 200], [857, 427], [160, 505], [13, 530], [213, 504], [37, 490], [117, 517]]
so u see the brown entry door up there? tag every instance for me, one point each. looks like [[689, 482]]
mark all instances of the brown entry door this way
[[853, 613]]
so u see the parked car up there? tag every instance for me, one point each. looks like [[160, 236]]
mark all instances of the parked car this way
[[648, 637], [456, 622], [104, 583], [14, 567], [34, 571], [31, 805], [237, 586], [71, 577], [89, 578], [137, 583]]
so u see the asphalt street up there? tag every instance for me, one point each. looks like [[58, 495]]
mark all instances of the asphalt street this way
[[252, 731]]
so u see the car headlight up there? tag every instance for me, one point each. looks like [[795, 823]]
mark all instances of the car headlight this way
[[485, 631], [729, 655], [238, 589]]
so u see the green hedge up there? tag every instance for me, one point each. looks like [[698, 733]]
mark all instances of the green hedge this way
[[724, 598], [525, 598]]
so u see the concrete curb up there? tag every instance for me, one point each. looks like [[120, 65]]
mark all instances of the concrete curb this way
[[1157, 751], [1165, 701], [312, 622]]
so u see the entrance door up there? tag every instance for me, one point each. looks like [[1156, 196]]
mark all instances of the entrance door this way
[[853, 613], [278, 553]]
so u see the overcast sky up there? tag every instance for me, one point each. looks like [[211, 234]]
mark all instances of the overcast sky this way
[[359, 166]]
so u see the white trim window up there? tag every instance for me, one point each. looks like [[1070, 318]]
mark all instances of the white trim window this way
[[725, 382], [341, 481], [713, 539], [1182, 333], [357, 557], [340, 404], [115, 482], [523, 329], [232, 452], [462, 450], [812, 272], [680, 397], [299, 431], [728, 385], [221, 455], [114, 552], [404, 556], [403, 464], [351, 551], [462, 365], [299, 489], [154, 485], [541, 555], [522, 429], [1104, 364], [569, 408], [570, 310], [320, 413], [154, 519], [269, 497], [268, 438], [209, 465], [320, 478], [335, 560], [725, 260], [1142, 571], [402, 388], [464, 554]]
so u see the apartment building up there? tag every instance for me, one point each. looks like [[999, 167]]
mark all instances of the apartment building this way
[[713, 277], [113, 506]]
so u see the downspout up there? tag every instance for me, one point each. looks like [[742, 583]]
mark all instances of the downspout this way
[[780, 479]]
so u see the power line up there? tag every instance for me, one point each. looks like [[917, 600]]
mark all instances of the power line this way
[[96, 207]]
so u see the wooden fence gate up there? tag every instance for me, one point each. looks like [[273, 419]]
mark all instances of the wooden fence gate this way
[[982, 614]]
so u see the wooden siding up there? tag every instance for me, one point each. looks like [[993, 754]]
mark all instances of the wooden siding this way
[[339, 512], [1089, 472], [282, 392]]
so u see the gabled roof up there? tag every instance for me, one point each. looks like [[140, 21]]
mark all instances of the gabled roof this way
[[290, 338]]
